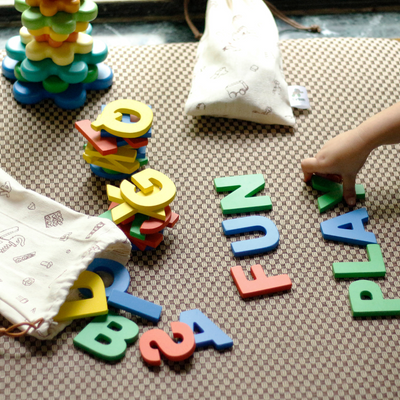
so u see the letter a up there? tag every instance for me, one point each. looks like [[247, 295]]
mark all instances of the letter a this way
[[209, 333], [348, 228]]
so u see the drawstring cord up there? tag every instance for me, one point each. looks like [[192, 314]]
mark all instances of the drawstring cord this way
[[289, 21], [31, 325], [196, 33], [273, 9]]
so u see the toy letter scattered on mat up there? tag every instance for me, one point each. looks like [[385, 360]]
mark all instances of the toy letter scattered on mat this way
[[44, 246]]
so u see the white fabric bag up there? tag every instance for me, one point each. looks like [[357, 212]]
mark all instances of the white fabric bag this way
[[44, 246], [238, 71]]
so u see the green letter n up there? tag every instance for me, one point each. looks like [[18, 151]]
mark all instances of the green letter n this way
[[243, 188]]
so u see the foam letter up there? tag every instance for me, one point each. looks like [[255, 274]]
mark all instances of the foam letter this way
[[150, 200], [97, 305], [111, 116], [209, 333], [334, 192], [164, 344], [104, 146], [373, 268], [107, 336], [374, 305], [249, 224], [261, 283], [243, 188], [348, 228], [142, 308], [121, 276], [136, 224]]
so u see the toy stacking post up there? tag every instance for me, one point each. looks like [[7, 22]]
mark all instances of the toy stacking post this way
[[54, 57]]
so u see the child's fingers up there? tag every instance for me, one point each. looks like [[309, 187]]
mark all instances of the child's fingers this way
[[332, 177], [307, 176], [349, 191], [309, 168]]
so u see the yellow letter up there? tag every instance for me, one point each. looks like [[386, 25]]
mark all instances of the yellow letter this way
[[110, 118]]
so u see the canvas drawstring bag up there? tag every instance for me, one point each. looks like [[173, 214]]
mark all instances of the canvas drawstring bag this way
[[238, 70], [44, 246]]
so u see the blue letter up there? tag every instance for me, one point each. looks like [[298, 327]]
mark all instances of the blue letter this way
[[250, 224], [209, 333], [348, 228]]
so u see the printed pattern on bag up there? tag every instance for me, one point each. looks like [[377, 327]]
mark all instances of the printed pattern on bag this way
[[5, 189], [28, 281], [14, 241], [221, 72], [95, 229], [267, 111], [237, 88], [25, 257], [54, 219], [47, 264], [65, 237]]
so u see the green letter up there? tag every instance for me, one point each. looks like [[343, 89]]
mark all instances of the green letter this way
[[107, 336], [243, 188]]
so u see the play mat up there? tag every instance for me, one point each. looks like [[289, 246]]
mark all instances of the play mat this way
[[298, 344]]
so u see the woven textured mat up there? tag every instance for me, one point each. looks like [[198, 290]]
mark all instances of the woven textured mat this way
[[301, 344]]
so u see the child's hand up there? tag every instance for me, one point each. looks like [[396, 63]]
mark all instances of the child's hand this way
[[340, 159]]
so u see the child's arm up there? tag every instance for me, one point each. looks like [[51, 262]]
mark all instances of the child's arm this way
[[344, 155]]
